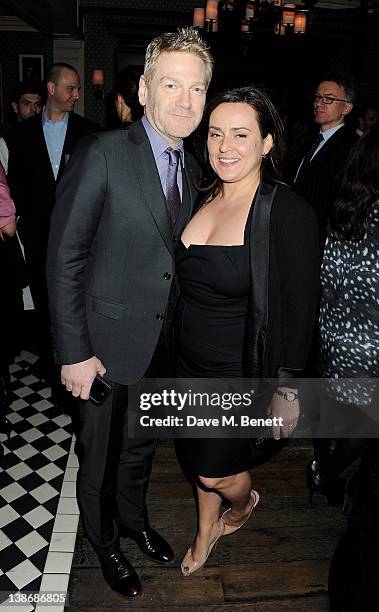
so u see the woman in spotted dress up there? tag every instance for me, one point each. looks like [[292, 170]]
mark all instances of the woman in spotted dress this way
[[349, 316]]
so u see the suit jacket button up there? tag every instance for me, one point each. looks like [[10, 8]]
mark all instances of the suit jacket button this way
[[167, 276], [175, 239], [159, 316]]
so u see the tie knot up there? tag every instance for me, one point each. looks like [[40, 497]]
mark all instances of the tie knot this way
[[173, 156]]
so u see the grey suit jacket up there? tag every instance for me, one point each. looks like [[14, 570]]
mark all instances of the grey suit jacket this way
[[110, 256]]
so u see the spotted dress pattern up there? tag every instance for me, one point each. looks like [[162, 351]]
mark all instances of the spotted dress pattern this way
[[349, 313]]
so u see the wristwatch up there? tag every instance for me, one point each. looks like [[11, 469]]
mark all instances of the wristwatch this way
[[290, 396]]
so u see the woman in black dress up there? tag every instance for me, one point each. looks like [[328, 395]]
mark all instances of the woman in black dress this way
[[248, 272]]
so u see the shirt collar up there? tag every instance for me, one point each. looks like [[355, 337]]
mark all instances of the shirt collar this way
[[158, 143], [328, 133], [46, 120]]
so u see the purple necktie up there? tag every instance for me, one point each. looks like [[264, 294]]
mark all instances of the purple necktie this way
[[172, 189]]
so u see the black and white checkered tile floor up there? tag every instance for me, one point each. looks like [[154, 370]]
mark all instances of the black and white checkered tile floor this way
[[38, 509]]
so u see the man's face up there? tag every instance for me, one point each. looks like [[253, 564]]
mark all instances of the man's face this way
[[174, 98], [331, 115], [66, 91], [29, 104]]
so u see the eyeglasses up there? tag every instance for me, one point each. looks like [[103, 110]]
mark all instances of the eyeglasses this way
[[327, 99]]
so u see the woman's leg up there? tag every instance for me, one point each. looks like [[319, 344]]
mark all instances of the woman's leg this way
[[236, 489], [211, 527], [208, 526]]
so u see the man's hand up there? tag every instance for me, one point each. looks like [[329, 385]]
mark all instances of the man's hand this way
[[79, 377], [8, 230], [288, 411]]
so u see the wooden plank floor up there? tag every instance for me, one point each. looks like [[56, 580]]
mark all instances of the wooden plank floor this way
[[278, 562]]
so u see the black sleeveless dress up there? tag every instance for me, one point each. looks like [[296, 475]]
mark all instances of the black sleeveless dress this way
[[210, 329]]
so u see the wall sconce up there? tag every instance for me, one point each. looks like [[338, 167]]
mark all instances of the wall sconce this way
[[211, 14], [98, 84], [250, 10], [300, 24], [289, 14], [282, 17], [198, 17]]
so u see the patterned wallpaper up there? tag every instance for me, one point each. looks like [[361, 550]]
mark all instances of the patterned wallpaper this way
[[13, 43], [361, 57], [101, 46], [99, 52], [370, 68]]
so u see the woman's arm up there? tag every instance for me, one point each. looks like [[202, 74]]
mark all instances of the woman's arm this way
[[7, 208], [297, 251], [298, 263]]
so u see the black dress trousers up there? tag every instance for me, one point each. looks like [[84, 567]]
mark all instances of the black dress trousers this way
[[114, 469]]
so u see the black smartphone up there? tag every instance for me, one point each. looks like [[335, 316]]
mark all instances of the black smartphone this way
[[100, 390]]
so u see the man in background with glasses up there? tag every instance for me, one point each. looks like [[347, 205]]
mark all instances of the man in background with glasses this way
[[317, 176], [317, 180]]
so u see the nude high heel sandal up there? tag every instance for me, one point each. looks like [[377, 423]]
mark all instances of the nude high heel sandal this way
[[189, 565], [229, 529]]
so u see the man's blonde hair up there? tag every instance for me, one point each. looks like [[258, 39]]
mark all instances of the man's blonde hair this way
[[186, 40]]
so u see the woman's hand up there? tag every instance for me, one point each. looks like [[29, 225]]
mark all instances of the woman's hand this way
[[288, 411]]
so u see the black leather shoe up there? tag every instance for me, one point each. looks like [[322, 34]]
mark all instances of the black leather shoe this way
[[151, 544], [332, 489], [120, 574]]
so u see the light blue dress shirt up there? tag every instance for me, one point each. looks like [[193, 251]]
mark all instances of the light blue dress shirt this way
[[55, 134]]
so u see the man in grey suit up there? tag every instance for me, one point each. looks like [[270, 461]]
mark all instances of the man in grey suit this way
[[122, 203]]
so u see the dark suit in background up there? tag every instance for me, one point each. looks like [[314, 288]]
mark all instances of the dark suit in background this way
[[32, 183], [318, 183], [318, 180]]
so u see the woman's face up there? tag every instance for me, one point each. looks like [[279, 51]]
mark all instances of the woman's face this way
[[235, 144]]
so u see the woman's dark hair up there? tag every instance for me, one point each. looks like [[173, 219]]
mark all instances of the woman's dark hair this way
[[269, 122], [359, 189], [126, 85]]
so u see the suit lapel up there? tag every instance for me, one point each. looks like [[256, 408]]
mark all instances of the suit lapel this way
[[190, 180], [68, 145], [330, 144], [41, 144], [147, 174], [259, 269], [188, 198]]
